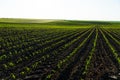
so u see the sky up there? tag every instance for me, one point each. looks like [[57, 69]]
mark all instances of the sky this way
[[108, 10]]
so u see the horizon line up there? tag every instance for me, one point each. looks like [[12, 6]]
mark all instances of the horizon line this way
[[58, 19]]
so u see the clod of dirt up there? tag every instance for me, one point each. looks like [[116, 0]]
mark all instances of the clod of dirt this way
[[114, 77]]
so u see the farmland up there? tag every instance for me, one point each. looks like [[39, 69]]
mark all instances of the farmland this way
[[60, 50]]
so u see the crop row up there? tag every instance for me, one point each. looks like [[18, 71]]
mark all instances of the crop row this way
[[12, 60], [59, 53]]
